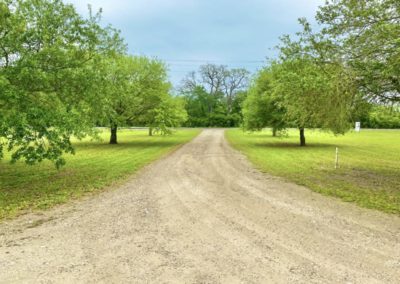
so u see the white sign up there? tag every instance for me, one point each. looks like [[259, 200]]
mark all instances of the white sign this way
[[358, 126]]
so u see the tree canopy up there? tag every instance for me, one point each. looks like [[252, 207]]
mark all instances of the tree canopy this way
[[325, 79], [48, 55], [298, 92], [62, 74], [137, 90], [261, 108], [213, 95], [365, 35]]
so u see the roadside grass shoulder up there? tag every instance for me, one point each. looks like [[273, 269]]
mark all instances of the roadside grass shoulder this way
[[95, 166], [369, 173]]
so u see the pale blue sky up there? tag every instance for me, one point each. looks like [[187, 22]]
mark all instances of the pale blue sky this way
[[188, 33]]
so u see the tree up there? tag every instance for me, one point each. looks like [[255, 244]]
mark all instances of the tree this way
[[152, 88], [211, 95], [365, 35], [237, 104], [314, 97], [170, 113], [117, 79], [136, 87], [261, 108], [218, 80], [213, 77], [48, 54], [381, 117], [235, 80]]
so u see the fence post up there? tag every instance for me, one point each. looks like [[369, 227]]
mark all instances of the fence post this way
[[337, 158]]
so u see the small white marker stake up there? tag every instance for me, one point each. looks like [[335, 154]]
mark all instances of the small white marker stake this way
[[337, 158]]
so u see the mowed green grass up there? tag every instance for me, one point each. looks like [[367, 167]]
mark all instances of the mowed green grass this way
[[369, 172], [95, 166]]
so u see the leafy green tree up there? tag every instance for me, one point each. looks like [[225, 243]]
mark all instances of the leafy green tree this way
[[170, 113], [261, 108], [382, 117], [152, 88], [314, 97], [199, 103], [136, 87], [238, 102], [117, 81], [365, 35], [48, 55], [213, 95]]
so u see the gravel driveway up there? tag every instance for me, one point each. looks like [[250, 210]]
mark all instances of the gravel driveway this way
[[202, 214]]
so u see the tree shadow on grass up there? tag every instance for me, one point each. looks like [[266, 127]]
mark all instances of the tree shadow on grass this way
[[293, 145], [124, 144], [143, 144]]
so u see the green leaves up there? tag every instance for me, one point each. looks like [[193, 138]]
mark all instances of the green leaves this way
[[323, 78], [214, 95], [298, 92], [48, 77], [170, 113], [314, 96], [365, 34], [137, 93], [261, 108]]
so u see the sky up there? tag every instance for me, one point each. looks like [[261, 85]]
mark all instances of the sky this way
[[189, 33]]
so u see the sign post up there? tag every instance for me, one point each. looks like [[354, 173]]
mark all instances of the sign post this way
[[358, 126]]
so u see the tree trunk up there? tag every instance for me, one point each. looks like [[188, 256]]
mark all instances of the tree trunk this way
[[302, 137], [150, 131], [274, 131], [113, 138]]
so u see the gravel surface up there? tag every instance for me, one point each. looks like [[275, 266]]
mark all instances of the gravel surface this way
[[202, 215]]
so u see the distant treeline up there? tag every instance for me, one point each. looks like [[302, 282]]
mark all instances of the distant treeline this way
[[214, 95], [386, 117]]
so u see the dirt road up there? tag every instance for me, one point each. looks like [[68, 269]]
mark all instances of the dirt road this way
[[203, 215]]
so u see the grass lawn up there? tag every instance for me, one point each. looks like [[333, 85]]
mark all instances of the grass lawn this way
[[369, 173], [95, 166]]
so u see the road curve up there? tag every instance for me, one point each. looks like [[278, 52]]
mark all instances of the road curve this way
[[203, 215]]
